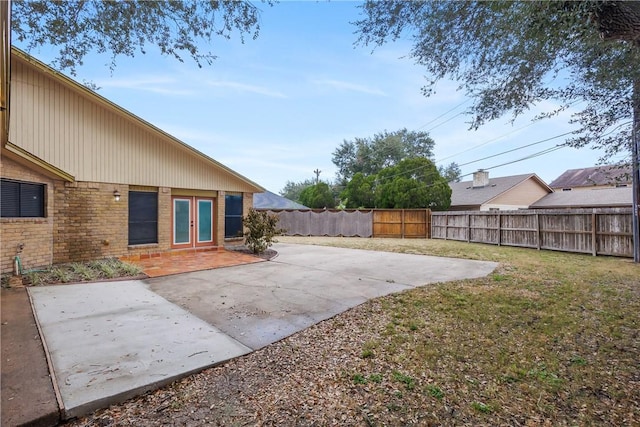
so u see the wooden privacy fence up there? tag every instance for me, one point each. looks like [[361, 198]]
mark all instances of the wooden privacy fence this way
[[400, 223], [593, 231]]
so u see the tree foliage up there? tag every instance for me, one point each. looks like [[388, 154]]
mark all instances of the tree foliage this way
[[370, 155], [511, 55], [412, 183], [451, 172], [318, 196], [293, 190], [127, 27], [359, 192]]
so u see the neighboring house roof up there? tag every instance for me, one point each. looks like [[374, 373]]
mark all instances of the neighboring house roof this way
[[102, 135], [595, 198], [269, 200], [594, 176], [465, 194]]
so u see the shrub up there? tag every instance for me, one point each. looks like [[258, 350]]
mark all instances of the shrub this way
[[261, 230]]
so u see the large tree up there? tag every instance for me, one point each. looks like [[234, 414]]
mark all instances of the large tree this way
[[370, 155], [509, 56], [77, 28], [412, 183], [292, 190], [318, 196], [359, 192]]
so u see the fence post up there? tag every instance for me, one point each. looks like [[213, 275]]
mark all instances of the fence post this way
[[402, 223], [594, 234], [499, 229], [538, 232], [427, 223], [446, 225], [468, 228]]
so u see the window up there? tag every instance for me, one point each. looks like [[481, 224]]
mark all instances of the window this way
[[143, 217], [22, 199], [233, 216]]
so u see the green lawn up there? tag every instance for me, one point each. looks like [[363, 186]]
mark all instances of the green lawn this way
[[548, 336]]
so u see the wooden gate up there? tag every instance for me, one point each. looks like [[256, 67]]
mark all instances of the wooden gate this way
[[402, 223]]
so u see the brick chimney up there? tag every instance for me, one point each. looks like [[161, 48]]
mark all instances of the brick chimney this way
[[480, 178]]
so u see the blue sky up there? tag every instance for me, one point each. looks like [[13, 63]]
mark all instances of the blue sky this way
[[275, 108]]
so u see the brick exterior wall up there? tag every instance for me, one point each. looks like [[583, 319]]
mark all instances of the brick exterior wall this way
[[89, 223], [34, 233], [84, 222], [220, 207]]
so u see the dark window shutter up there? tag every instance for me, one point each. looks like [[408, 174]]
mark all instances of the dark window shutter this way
[[22, 199], [10, 199], [233, 216], [31, 200], [143, 217]]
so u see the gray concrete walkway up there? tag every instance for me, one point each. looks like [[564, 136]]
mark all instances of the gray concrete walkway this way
[[110, 341]]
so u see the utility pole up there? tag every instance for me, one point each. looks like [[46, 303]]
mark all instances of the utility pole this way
[[317, 172]]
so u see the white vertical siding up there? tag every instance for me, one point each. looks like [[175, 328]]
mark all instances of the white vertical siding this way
[[94, 141]]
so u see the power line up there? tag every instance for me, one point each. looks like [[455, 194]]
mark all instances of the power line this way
[[444, 114], [515, 149], [531, 123], [531, 156]]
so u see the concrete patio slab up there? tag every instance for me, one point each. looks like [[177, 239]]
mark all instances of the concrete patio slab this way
[[113, 340], [262, 303]]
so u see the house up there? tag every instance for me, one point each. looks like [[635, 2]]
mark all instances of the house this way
[[503, 193], [594, 177], [269, 200], [621, 197], [83, 179]]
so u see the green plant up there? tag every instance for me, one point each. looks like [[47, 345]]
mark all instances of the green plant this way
[[367, 349], [375, 378], [261, 230], [128, 269], [434, 391], [83, 271], [105, 268], [359, 379], [61, 274], [578, 361], [408, 381], [482, 407]]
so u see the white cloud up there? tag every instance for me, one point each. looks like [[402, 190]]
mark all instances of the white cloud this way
[[242, 87], [157, 84], [342, 85]]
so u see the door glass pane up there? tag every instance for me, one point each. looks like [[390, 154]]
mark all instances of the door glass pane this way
[[205, 232], [181, 221]]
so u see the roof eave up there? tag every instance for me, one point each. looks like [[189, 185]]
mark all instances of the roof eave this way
[[23, 157]]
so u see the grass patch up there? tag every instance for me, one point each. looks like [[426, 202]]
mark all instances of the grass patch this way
[[409, 382], [482, 407], [549, 338], [434, 391], [75, 272]]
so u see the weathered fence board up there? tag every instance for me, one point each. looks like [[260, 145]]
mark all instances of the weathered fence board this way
[[399, 223], [592, 231], [348, 223]]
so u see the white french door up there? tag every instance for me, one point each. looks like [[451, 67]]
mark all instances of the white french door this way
[[193, 222]]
